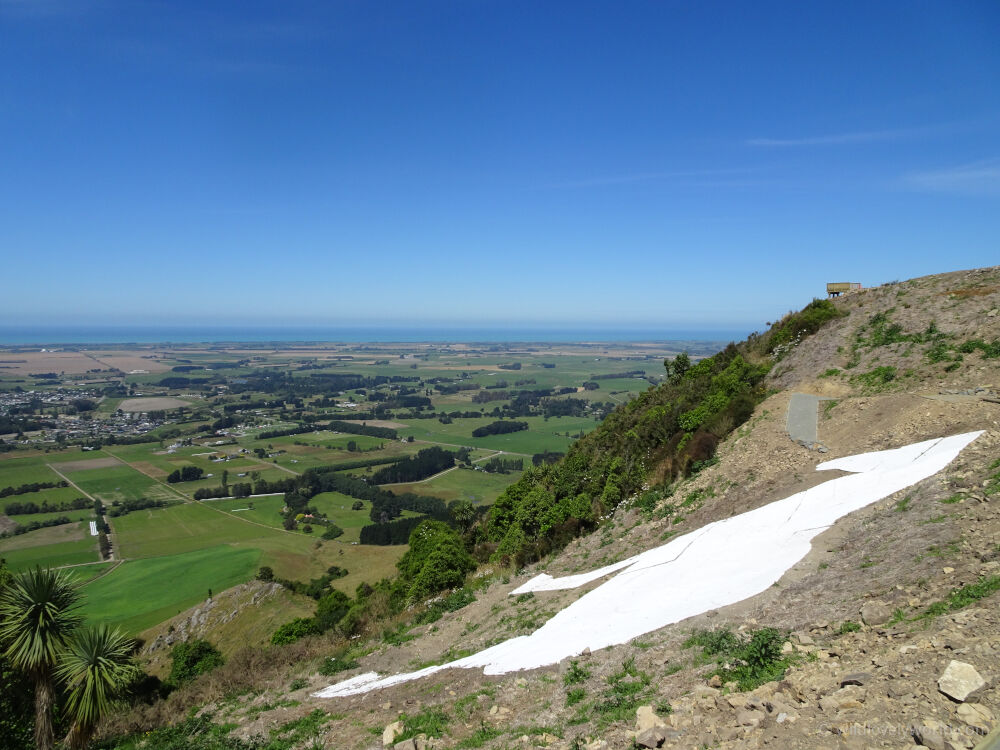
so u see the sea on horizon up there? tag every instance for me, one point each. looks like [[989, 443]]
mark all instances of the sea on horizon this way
[[192, 334]]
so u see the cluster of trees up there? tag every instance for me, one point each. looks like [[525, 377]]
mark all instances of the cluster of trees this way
[[124, 507], [240, 489], [23, 509], [426, 463], [449, 388], [499, 428], [176, 382], [185, 474], [546, 457], [364, 462], [391, 532], [317, 588], [24, 489], [617, 375], [352, 428], [385, 505], [78, 405], [500, 465], [223, 423], [19, 425], [332, 531], [564, 407]]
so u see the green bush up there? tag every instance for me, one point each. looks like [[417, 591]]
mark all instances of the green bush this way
[[331, 609], [193, 658], [436, 560], [333, 531], [292, 631], [749, 659], [876, 379], [803, 323], [334, 665]]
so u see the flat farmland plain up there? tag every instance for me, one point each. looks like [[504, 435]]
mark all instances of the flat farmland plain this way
[[69, 544]]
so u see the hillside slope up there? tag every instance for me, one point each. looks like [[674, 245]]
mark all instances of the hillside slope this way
[[886, 600]]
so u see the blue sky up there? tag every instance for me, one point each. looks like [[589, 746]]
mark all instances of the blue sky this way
[[686, 165]]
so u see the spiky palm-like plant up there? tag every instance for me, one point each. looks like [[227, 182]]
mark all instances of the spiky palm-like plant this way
[[96, 667], [38, 613]]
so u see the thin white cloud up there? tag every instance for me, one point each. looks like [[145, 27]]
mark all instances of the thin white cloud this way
[[976, 178]]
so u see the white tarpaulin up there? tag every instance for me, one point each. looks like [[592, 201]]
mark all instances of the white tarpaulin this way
[[721, 563]]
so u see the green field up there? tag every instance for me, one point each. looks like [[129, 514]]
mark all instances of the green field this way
[[134, 595], [542, 434], [51, 547], [184, 528], [265, 510], [54, 495], [117, 483], [86, 573], [17, 471], [336, 506], [463, 484]]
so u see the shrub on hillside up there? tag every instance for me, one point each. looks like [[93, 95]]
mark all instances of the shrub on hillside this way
[[663, 433], [436, 560], [292, 631], [803, 323], [193, 658]]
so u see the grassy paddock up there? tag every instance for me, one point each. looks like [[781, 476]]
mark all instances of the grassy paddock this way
[[134, 595], [17, 471], [119, 483], [463, 484], [54, 495], [50, 547]]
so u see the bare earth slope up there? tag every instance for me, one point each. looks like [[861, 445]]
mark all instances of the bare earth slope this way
[[870, 683]]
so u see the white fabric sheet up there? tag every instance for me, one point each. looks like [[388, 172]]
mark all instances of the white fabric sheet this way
[[721, 563]]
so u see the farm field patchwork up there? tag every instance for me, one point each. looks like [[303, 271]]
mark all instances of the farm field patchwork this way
[[230, 395], [54, 546]]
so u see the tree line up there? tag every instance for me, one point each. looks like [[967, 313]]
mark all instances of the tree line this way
[[185, 474], [24, 489], [499, 428], [426, 463], [26, 508]]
